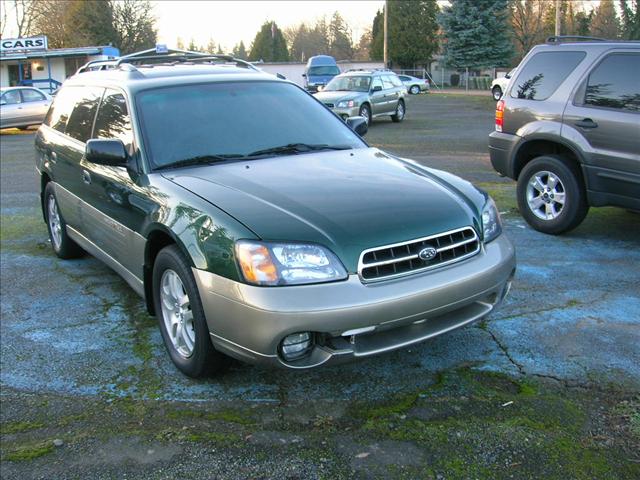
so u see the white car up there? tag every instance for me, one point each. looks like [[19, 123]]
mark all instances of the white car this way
[[22, 107], [499, 85], [414, 85]]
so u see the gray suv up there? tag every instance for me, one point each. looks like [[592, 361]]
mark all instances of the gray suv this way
[[366, 93], [568, 130]]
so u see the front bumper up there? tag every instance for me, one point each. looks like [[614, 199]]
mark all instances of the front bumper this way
[[502, 147], [345, 113], [249, 322]]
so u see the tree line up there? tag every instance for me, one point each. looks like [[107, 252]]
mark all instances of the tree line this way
[[469, 33]]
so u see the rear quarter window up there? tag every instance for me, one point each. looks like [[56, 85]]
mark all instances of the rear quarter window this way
[[614, 83], [543, 74]]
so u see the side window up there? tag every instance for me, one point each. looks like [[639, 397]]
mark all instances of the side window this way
[[403, 78], [376, 83], [386, 82], [32, 95], [81, 118], [12, 97], [543, 74], [615, 83], [395, 80], [63, 104], [113, 119]]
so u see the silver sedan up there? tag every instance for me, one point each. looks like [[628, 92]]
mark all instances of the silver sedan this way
[[414, 85], [22, 107]]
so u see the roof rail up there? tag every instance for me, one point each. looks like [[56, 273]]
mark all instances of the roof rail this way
[[561, 38], [150, 57]]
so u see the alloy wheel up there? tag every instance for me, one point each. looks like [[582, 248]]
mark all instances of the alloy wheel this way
[[55, 224], [177, 314], [545, 195]]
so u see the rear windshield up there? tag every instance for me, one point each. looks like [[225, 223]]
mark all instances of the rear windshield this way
[[543, 74], [323, 70], [234, 119]]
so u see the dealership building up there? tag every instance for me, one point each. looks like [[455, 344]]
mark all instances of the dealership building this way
[[28, 61]]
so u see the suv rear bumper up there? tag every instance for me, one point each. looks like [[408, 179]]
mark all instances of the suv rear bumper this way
[[502, 148], [350, 319]]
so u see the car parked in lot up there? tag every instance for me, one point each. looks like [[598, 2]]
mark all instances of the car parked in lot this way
[[499, 85], [319, 71], [272, 233], [21, 107], [414, 85], [366, 93], [568, 130]]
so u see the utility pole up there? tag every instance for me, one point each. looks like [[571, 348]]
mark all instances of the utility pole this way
[[385, 48], [557, 17]]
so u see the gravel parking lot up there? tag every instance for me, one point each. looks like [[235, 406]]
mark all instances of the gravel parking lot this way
[[547, 387]]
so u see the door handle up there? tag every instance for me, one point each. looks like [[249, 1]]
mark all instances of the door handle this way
[[86, 177], [586, 123]]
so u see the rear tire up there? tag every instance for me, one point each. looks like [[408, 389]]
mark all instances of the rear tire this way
[[414, 90], [181, 317], [551, 195], [497, 93], [63, 246], [400, 112]]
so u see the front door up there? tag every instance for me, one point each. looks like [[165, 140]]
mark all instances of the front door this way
[[377, 97], [605, 112]]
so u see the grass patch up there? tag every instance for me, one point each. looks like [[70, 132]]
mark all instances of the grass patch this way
[[228, 415], [29, 451], [19, 427], [503, 193]]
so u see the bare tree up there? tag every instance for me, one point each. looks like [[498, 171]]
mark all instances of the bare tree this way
[[134, 23], [26, 14], [527, 21]]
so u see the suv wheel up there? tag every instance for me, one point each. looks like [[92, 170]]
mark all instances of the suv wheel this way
[[400, 111], [62, 245], [365, 111], [497, 93], [551, 196], [181, 316], [414, 90]]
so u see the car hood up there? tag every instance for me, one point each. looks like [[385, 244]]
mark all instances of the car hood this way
[[335, 97], [347, 200]]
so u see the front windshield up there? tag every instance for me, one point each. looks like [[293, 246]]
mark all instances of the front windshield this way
[[323, 70], [351, 83], [234, 119]]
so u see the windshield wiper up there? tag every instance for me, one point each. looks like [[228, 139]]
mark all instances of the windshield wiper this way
[[199, 160], [298, 148]]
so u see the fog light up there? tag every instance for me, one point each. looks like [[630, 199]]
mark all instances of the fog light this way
[[296, 345]]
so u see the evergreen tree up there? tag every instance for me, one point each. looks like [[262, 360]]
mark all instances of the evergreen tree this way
[[630, 19], [412, 32], [239, 51], [377, 37], [477, 34], [340, 44], [134, 24], [192, 46], [605, 23], [362, 50], [269, 44], [179, 43], [306, 40], [220, 51], [211, 46]]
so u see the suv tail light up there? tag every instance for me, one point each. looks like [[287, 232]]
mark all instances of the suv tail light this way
[[499, 115]]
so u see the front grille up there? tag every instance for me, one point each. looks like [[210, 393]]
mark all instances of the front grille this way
[[330, 105], [401, 259]]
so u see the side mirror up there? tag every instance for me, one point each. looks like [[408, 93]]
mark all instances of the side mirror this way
[[106, 152], [507, 76], [304, 75], [377, 88], [3, 102], [358, 125]]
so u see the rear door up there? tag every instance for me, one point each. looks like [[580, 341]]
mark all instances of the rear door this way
[[605, 116], [390, 94], [34, 104]]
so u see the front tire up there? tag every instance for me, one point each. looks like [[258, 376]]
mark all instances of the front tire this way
[[497, 93], [551, 195], [181, 317], [365, 111], [62, 245], [400, 112], [414, 90]]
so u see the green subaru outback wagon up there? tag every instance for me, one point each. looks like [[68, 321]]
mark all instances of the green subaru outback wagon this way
[[254, 222]]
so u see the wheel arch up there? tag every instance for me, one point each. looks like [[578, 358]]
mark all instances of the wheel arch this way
[[535, 147], [44, 179]]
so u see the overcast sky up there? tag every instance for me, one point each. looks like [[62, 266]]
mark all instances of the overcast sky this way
[[228, 22]]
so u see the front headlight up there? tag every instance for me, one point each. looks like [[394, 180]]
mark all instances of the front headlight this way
[[491, 223], [271, 264], [346, 104]]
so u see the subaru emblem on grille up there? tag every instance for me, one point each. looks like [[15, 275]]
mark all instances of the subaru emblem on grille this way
[[428, 253]]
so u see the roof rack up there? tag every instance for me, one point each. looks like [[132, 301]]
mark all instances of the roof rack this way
[[174, 56], [561, 38]]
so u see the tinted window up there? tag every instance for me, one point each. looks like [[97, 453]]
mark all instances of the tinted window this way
[[324, 70], [32, 96], [615, 83], [186, 121], [12, 97], [544, 73], [63, 104], [403, 78], [81, 119], [351, 83], [113, 119]]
